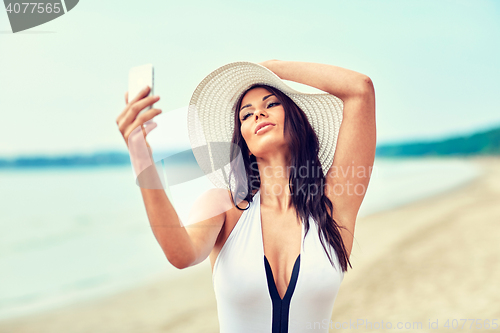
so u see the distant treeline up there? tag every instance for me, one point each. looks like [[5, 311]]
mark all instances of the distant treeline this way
[[97, 159], [88, 160], [484, 143]]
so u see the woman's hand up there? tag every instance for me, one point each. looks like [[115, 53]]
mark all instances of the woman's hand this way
[[268, 63], [129, 123], [338, 81], [131, 126]]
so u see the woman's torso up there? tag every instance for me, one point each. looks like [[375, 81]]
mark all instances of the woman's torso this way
[[281, 241], [244, 280]]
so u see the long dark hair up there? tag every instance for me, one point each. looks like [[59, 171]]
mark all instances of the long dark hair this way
[[304, 146]]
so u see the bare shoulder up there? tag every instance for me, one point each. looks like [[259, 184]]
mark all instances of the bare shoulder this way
[[207, 221], [232, 216], [213, 203]]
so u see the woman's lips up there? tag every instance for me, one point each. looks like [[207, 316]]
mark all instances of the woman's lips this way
[[265, 128]]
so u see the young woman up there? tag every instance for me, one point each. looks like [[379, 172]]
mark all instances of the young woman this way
[[280, 235]]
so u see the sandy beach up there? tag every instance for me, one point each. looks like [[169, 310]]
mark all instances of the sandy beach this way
[[427, 262]]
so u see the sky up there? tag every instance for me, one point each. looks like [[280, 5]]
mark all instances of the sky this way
[[434, 64]]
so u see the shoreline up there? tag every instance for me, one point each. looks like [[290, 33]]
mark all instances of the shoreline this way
[[185, 301]]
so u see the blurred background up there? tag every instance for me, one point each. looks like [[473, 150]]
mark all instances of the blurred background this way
[[73, 228]]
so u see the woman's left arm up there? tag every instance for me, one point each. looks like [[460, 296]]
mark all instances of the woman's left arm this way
[[334, 80], [348, 177]]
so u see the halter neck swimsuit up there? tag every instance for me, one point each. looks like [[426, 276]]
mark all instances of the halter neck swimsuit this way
[[247, 297]]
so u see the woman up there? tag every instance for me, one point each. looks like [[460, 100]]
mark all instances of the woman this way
[[270, 272]]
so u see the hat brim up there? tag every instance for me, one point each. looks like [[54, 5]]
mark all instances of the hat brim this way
[[211, 112]]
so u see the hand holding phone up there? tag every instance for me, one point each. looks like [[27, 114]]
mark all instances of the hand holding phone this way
[[138, 112], [138, 78]]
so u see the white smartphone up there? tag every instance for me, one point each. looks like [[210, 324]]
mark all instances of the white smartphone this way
[[138, 78]]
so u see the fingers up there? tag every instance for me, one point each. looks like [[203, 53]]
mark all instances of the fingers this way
[[140, 95], [143, 103], [124, 112], [131, 111], [135, 108], [143, 93], [141, 119], [147, 116]]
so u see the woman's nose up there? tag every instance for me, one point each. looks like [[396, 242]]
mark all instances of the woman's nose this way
[[260, 113]]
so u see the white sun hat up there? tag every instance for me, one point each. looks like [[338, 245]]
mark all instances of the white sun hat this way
[[211, 116]]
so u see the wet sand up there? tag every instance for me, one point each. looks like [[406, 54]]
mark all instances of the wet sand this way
[[435, 259]]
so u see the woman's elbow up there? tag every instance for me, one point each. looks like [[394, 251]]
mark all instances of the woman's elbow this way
[[178, 265], [180, 261], [366, 86]]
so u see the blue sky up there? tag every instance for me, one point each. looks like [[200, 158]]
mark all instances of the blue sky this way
[[434, 64]]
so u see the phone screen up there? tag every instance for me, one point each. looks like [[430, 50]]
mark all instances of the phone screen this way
[[138, 78]]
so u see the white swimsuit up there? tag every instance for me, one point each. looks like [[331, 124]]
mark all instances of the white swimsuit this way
[[247, 298]]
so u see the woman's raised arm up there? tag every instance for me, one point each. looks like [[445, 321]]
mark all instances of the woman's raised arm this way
[[183, 246], [348, 177], [338, 81]]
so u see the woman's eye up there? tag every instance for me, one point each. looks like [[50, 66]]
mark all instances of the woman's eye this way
[[246, 116], [273, 104]]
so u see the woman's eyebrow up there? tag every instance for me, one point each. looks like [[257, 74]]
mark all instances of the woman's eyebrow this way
[[266, 97], [263, 98]]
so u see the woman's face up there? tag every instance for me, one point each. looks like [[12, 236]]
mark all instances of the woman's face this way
[[261, 107]]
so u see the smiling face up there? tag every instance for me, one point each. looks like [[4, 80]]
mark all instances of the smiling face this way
[[261, 107]]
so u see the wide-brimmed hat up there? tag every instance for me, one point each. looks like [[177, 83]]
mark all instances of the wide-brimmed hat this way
[[211, 116]]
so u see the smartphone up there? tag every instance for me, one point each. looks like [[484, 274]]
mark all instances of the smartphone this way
[[138, 78]]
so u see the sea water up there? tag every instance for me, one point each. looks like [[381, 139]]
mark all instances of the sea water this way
[[71, 234]]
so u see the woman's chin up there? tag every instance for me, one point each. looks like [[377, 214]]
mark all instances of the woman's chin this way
[[270, 147]]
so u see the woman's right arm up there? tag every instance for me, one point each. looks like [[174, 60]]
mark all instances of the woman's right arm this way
[[190, 245], [183, 246]]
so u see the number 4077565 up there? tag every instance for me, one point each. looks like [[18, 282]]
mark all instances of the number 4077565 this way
[[33, 7], [471, 323]]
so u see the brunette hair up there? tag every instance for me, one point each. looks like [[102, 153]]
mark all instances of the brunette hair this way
[[304, 146]]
